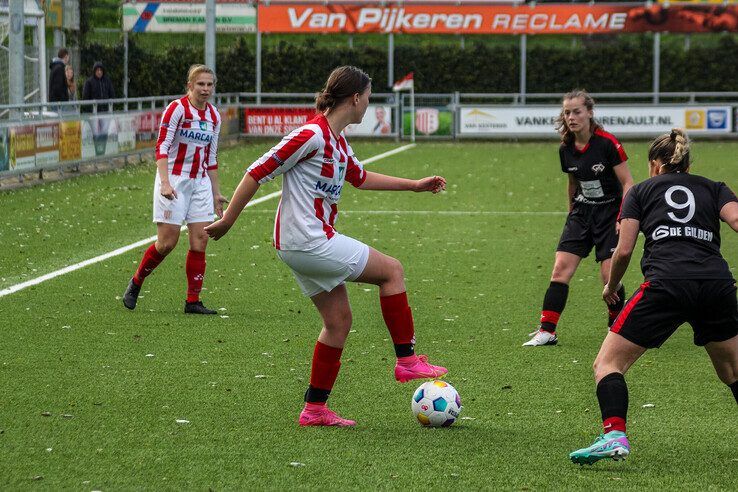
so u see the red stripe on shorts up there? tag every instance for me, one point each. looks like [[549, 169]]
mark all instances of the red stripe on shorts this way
[[628, 308]]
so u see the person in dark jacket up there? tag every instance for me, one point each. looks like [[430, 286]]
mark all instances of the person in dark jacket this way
[[98, 86], [57, 80]]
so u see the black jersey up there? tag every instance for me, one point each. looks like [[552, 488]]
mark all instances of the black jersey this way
[[679, 215], [592, 167]]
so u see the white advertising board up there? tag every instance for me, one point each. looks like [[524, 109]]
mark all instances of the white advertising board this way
[[619, 120], [187, 17], [377, 122]]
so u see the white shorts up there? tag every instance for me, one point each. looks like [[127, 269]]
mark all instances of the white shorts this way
[[194, 202], [328, 265]]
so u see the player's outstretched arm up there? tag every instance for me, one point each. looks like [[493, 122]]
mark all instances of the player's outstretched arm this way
[[621, 258], [377, 181], [243, 194], [729, 214]]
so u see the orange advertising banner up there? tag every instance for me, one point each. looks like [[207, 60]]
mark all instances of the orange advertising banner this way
[[494, 19]]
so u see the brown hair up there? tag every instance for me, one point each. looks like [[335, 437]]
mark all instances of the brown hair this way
[[672, 149], [342, 83], [567, 136], [196, 70]]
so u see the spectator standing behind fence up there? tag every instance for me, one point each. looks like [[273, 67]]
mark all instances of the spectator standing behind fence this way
[[57, 81], [98, 87], [71, 83]]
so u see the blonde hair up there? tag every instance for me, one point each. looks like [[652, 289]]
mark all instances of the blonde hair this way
[[672, 149], [198, 69], [567, 136]]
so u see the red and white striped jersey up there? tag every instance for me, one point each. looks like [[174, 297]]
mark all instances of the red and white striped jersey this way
[[188, 138], [315, 162]]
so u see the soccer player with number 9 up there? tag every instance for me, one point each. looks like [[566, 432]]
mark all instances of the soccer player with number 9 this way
[[686, 280]]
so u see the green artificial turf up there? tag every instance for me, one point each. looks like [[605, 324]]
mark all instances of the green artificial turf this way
[[90, 393]]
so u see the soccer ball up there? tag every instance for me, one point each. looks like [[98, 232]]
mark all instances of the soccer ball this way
[[436, 404]]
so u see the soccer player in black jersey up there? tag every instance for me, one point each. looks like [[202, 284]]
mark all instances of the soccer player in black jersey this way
[[686, 280], [598, 179]]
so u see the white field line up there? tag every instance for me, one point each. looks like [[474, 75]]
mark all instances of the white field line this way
[[43, 278], [437, 212]]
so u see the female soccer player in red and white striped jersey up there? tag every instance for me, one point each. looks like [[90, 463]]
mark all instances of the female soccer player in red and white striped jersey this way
[[315, 159], [186, 187]]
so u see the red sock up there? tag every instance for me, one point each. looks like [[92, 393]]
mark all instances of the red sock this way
[[195, 269], [399, 318], [150, 260], [549, 320], [326, 363], [614, 424]]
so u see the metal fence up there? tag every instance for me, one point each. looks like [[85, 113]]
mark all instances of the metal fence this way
[[37, 137]]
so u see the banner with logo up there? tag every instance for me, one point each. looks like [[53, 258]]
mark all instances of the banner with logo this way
[[377, 122], [4, 148], [429, 121], [187, 17], [275, 120], [452, 18], [70, 141], [47, 144], [633, 120], [22, 147]]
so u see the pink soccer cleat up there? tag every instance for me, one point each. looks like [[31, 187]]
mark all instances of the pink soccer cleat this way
[[315, 414], [416, 367]]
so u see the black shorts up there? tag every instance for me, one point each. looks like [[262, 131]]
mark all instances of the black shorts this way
[[591, 225], [659, 307]]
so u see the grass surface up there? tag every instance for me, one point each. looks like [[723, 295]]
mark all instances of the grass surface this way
[[90, 392]]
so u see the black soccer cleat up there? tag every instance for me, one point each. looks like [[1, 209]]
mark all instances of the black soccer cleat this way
[[197, 308], [130, 296]]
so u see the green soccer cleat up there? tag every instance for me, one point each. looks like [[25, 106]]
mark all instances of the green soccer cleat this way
[[613, 445]]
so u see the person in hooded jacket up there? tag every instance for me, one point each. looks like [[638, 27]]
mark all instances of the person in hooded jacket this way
[[98, 87]]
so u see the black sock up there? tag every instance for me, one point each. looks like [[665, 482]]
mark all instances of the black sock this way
[[734, 388], [404, 349], [612, 393], [316, 395], [553, 304], [614, 309]]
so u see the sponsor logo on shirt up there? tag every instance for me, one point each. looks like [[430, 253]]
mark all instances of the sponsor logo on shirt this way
[[571, 169], [195, 135], [328, 188], [663, 231], [598, 168]]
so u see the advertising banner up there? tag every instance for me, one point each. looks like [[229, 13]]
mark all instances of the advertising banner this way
[[634, 120], [70, 141], [452, 18], [187, 17], [275, 120], [54, 13], [126, 133], [4, 148], [22, 147], [429, 121], [47, 144], [147, 129], [229, 120], [377, 122]]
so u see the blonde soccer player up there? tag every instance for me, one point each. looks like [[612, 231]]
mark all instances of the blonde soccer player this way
[[186, 189]]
